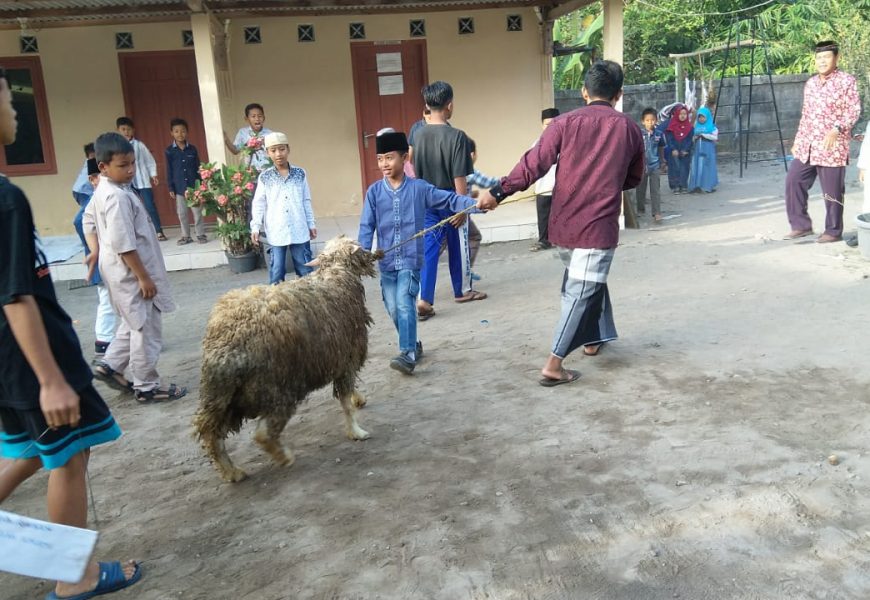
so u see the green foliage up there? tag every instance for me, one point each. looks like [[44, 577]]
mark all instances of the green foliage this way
[[223, 191], [656, 28]]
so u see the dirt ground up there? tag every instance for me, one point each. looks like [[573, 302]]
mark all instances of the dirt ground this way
[[690, 461]]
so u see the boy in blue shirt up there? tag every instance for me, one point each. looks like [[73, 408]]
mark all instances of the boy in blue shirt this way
[[182, 172], [654, 147], [395, 208]]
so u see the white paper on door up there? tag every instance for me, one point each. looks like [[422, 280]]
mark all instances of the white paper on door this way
[[391, 85], [389, 62]]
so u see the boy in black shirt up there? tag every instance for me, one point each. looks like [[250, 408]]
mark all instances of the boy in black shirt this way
[[442, 156], [51, 415]]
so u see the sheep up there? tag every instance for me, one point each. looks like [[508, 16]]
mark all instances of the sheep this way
[[267, 347]]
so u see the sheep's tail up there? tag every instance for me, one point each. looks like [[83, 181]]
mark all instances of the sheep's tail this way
[[216, 416]]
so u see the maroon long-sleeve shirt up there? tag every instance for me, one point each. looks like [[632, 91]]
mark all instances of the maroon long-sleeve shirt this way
[[599, 153]]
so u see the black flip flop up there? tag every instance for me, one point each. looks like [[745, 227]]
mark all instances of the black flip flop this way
[[572, 376]]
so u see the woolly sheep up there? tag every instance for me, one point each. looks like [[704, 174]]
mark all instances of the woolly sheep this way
[[267, 347]]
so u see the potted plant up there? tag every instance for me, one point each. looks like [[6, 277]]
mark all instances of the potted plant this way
[[224, 191]]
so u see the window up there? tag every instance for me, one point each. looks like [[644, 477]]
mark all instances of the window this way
[[187, 38], [28, 44], [514, 23], [33, 150]]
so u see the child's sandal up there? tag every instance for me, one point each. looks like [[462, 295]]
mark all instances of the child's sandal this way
[[162, 237], [183, 241], [103, 372], [158, 395]]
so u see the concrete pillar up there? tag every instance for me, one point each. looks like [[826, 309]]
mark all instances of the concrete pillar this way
[[209, 89], [614, 42]]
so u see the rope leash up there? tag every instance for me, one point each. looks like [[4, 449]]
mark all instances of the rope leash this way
[[444, 222]]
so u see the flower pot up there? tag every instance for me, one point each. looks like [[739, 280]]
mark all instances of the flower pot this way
[[243, 263]]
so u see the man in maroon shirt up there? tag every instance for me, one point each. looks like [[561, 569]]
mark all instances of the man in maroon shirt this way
[[600, 153]]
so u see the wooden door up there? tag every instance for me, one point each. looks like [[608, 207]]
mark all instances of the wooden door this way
[[159, 86], [387, 79]]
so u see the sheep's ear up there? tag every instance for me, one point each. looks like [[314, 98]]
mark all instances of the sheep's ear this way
[[313, 263], [356, 249]]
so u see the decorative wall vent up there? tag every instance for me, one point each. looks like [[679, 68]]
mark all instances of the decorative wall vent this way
[[418, 28], [124, 41], [305, 33], [252, 35], [357, 31], [466, 25]]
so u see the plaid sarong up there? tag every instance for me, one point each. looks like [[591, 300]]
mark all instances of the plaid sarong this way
[[587, 315]]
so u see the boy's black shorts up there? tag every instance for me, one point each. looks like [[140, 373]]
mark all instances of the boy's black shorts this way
[[25, 433]]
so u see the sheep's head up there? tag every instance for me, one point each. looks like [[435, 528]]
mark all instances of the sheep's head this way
[[345, 253]]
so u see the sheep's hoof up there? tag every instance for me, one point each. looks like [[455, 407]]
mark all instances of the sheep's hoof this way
[[233, 475], [358, 433], [284, 458], [358, 400]]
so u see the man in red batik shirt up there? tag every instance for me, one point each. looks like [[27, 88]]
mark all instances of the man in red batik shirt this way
[[821, 146]]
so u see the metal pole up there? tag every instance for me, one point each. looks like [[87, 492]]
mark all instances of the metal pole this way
[[751, 83], [724, 69], [773, 98], [681, 81], [739, 106]]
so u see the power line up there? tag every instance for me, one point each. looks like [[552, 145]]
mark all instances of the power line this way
[[703, 14]]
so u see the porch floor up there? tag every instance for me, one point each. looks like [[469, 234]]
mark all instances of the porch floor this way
[[507, 224]]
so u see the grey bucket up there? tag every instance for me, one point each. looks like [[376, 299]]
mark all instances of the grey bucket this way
[[863, 223]]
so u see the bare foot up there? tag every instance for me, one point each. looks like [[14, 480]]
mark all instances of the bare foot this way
[[91, 579]]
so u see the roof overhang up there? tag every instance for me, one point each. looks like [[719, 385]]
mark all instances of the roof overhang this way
[[23, 14]]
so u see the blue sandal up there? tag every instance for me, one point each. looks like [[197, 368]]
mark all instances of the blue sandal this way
[[111, 580]]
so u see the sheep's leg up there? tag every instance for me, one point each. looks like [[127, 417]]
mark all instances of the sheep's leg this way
[[216, 449], [357, 399], [268, 436], [343, 390]]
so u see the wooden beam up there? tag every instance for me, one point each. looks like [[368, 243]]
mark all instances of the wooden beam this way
[[719, 48], [564, 8]]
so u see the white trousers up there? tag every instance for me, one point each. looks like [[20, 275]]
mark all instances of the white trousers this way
[[104, 329]]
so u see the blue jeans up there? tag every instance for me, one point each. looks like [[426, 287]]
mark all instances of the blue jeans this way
[[83, 200], [299, 253], [147, 196], [399, 290]]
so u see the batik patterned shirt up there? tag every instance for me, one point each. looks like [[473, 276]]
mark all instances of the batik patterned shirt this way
[[828, 103], [282, 207]]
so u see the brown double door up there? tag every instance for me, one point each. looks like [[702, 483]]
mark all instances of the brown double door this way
[[387, 79], [159, 86]]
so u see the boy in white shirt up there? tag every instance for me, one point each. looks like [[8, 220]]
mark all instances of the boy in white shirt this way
[[146, 173], [282, 209]]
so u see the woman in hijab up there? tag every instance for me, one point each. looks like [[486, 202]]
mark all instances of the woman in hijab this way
[[678, 148], [704, 175]]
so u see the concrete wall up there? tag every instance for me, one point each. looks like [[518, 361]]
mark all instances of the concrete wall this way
[[83, 85], [789, 99], [500, 80], [307, 90]]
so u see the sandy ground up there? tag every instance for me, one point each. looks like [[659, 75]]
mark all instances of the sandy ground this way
[[689, 462]]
